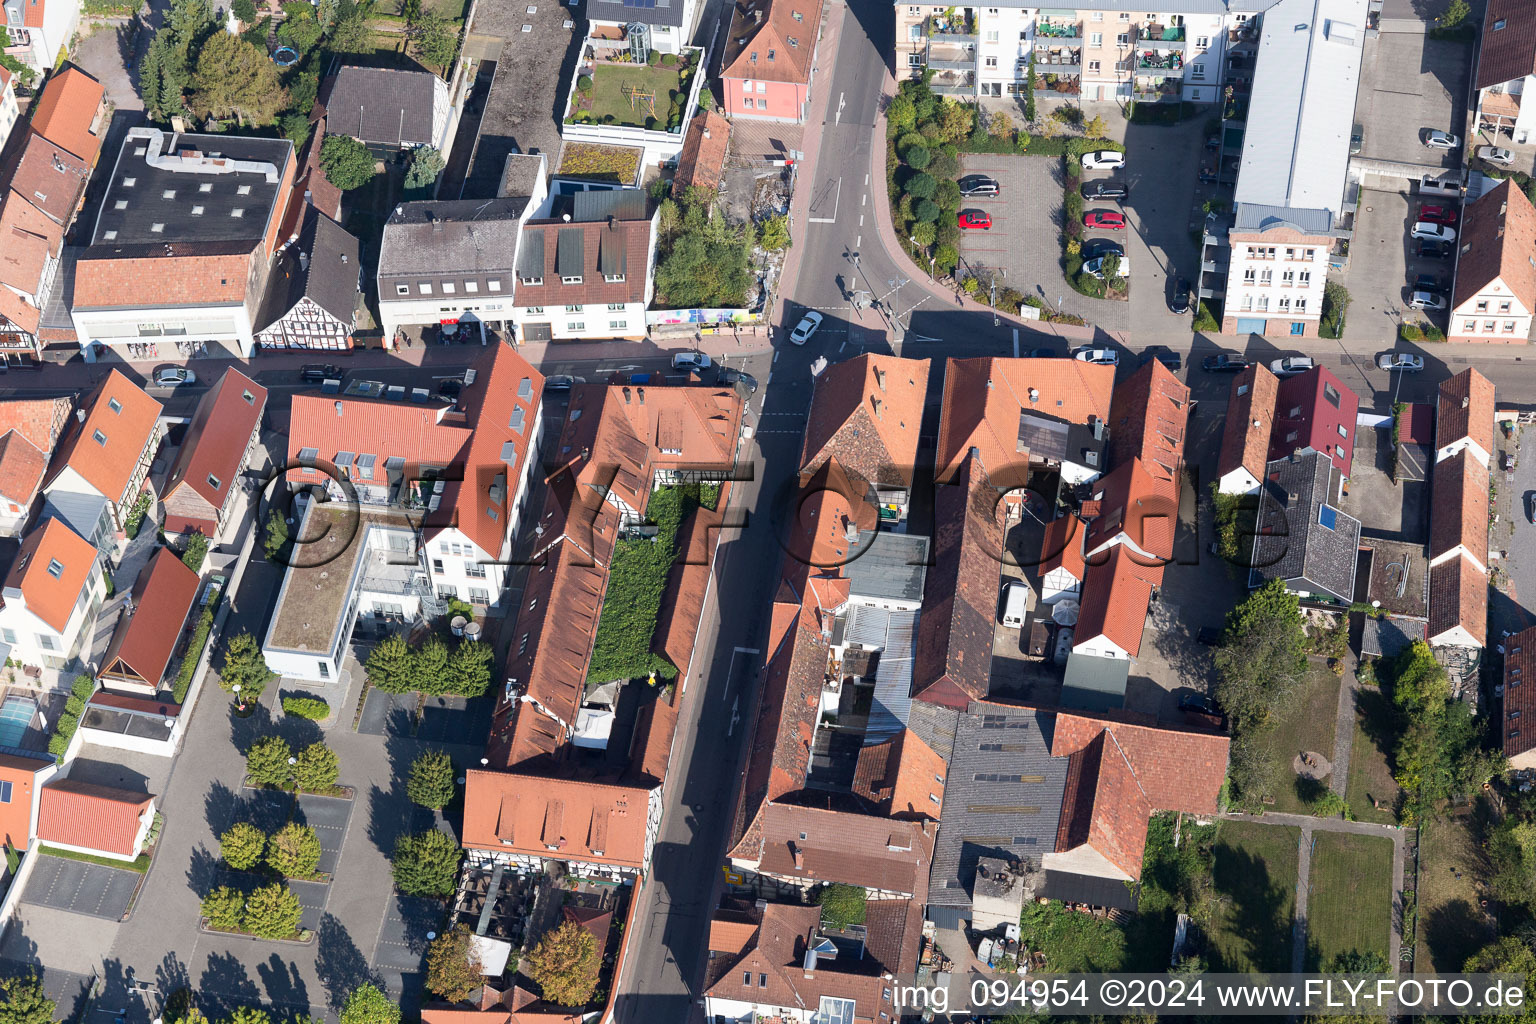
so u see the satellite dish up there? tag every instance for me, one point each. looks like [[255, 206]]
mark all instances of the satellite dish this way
[[1064, 612]]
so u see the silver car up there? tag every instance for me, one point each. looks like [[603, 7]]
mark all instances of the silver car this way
[[174, 376], [1426, 300], [1404, 361], [1290, 366], [1437, 139], [1496, 155]]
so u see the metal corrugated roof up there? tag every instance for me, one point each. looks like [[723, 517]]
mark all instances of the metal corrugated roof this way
[[600, 204], [1259, 217], [888, 566], [894, 635], [612, 259]]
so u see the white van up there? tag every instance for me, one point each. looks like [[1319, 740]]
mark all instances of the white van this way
[[1015, 599]]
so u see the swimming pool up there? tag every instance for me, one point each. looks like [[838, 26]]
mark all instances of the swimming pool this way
[[15, 715]]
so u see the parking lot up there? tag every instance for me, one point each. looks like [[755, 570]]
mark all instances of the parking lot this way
[[1162, 171], [1409, 82], [1382, 265], [81, 888]]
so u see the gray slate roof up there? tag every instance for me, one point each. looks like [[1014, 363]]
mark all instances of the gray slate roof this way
[[1093, 683], [392, 106], [649, 12], [462, 235], [1260, 217], [992, 805], [330, 280], [887, 566], [1293, 543]]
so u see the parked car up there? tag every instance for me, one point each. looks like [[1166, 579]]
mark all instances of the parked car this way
[[1406, 362], [1356, 138], [562, 382], [728, 377], [974, 220], [1434, 138], [314, 373], [1290, 366], [1202, 708], [1530, 506], [806, 327], [1165, 355], [1095, 267], [174, 376], [1179, 302], [1426, 300], [1496, 155], [1438, 214], [1435, 250], [1427, 232], [691, 361], [1101, 356], [1224, 363], [1101, 247], [1107, 219], [1427, 282], [1103, 159], [974, 186], [1208, 177], [1104, 190]]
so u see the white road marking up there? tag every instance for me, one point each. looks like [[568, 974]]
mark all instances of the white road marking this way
[[858, 243], [865, 201], [861, 220], [836, 197], [866, 181], [730, 669], [735, 717]]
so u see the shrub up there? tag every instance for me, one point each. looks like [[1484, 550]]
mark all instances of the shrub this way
[[970, 286], [242, 846], [1409, 332], [293, 851], [312, 708], [654, 58], [927, 210], [193, 654], [346, 162], [1335, 305], [918, 158], [1010, 299], [1433, 333], [426, 864], [276, 543], [1073, 206], [1328, 805], [584, 84], [923, 234], [431, 782], [946, 257], [920, 186], [669, 60], [135, 518], [196, 551]]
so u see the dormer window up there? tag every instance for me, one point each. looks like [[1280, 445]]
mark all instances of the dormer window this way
[[772, 54], [570, 280], [614, 278], [753, 58], [531, 281], [213, 482]]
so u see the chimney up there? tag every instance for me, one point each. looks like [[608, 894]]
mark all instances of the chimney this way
[[1465, 401], [706, 129], [1098, 429], [338, 410], [626, 396], [799, 857], [640, 393], [304, 261], [1034, 395], [880, 378], [877, 405], [1295, 454]]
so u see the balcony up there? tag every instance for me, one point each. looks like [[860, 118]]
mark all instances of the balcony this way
[[1059, 29], [959, 29], [1057, 59], [965, 63], [954, 83], [1162, 37], [1148, 60]]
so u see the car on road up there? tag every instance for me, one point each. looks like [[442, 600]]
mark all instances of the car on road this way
[[1426, 300], [1496, 155], [1095, 268], [1356, 139], [728, 377], [1530, 506], [314, 373], [1179, 302], [806, 327], [1406, 362], [1434, 250], [1290, 366], [1165, 355], [1438, 214], [1101, 247], [451, 387], [1434, 138], [1106, 219], [1104, 190], [974, 186], [1101, 356], [1103, 159], [1427, 282], [1222, 362], [562, 382], [174, 376], [691, 361], [974, 220], [1424, 231]]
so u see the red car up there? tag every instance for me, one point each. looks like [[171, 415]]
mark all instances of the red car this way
[[977, 220], [1104, 219], [1438, 214]]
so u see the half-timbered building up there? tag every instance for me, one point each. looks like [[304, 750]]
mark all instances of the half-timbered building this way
[[311, 301]]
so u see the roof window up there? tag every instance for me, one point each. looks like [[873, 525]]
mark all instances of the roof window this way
[[214, 482], [114, 405], [56, 569], [99, 438]]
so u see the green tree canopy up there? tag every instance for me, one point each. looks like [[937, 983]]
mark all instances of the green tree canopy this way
[[273, 912], [434, 40], [25, 1001], [426, 864], [316, 769], [565, 965], [244, 666], [266, 763], [706, 262], [367, 1005], [390, 665], [1263, 657], [196, 551], [235, 79], [468, 672], [293, 851], [426, 165], [346, 162], [242, 846], [431, 782], [248, 1015], [225, 908], [429, 666], [453, 966]]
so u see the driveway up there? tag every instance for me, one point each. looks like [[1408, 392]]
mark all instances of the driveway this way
[[1162, 171], [401, 949], [104, 54], [1382, 265], [1409, 83], [81, 888]]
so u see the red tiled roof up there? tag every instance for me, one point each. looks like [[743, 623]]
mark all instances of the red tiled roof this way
[[702, 162], [146, 635], [655, 728], [1498, 233], [66, 112], [51, 597], [601, 823], [683, 602], [1458, 596], [1465, 408], [866, 412], [1314, 406], [1418, 424], [632, 238], [855, 849], [92, 817], [1250, 419], [1135, 505], [1519, 733], [1061, 547], [772, 40], [27, 239], [727, 934], [1507, 44], [217, 438], [1103, 806], [1147, 417], [49, 177], [126, 419], [1459, 507], [903, 777], [104, 280], [1114, 602], [1176, 769], [29, 428]]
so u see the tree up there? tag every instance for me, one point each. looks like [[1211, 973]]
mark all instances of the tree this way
[[248, 1015], [235, 79], [565, 965], [245, 10], [326, 13], [316, 768], [946, 256], [25, 1001], [390, 666], [900, 115], [346, 162], [224, 908], [293, 851], [273, 912], [1096, 128], [367, 1005], [197, 550], [429, 666], [705, 263], [1000, 126], [245, 667], [426, 864], [1031, 83], [300, 33], [842, 905], [434, 40], [1335, 305], [1456, 12], [920, 186], [349, 27], [955, 120], [919, 157], [242, 846], [1264, 654], [453, 966], [294, 128], [266, 763], [426, 165], [468, 673], [773, 233], [276, 543], [166, 70], [431, 782], [1110, 268]]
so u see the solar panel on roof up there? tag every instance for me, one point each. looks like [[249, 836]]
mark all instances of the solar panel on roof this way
[[1327, 517]]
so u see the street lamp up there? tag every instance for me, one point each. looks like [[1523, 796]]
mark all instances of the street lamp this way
[[236, 691]]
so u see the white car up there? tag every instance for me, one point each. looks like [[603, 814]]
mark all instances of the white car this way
[[1404, 361], [1426, 300], [1103, 160], [1095, 268], [1428, 232], [1101, 356], [805, 328], [691, 361], [174, 376], [1290, 366], [1437, 139], [1496, 155]]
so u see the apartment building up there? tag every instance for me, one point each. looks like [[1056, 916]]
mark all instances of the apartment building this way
[[1109, 51]]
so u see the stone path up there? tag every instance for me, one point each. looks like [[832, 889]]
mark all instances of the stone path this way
[[1344, 726]]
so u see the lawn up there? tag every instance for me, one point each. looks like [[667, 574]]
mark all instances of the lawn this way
[[139, 863], [1372, 793], [1072, 942], [613, 85], [1306, 723], [1451, 924], [1350, 903], [1254, 876]]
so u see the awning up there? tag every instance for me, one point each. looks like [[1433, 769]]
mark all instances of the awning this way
[[1058, 12]]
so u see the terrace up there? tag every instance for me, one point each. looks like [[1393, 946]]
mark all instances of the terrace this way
[[953, 83], [627, 94], [1162, 36], [1058, 28], [1064, 57], [1151, 59], [952, 58], [961, 28]]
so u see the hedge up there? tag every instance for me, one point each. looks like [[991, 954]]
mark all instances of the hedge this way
[[66, 724], [312, 708], [194, 652]]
